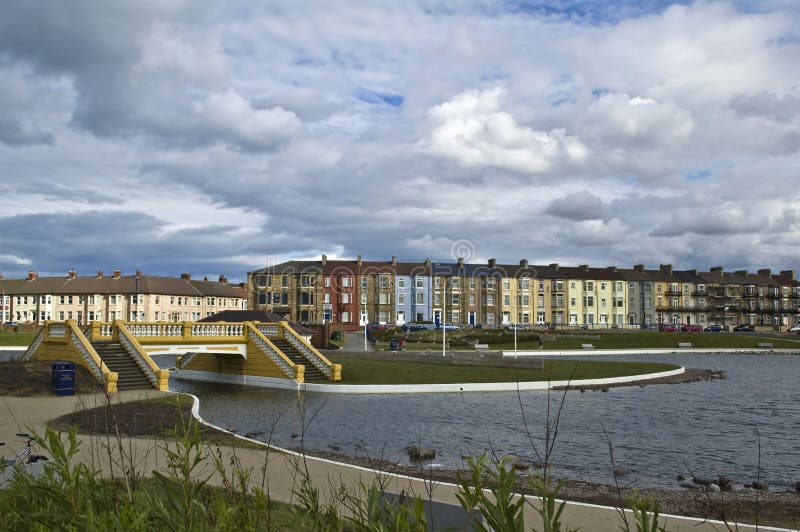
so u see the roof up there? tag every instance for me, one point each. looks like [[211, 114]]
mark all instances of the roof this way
[[124, 284], [263, 316]]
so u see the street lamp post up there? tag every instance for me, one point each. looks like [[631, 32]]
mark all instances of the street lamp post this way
[[444, 316]]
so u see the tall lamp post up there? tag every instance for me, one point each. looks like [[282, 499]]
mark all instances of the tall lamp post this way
[[444, 316]]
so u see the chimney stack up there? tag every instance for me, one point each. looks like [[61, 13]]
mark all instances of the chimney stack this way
[[784, 273], [524, 263], [205, 278], [138, 273], [427, 262], [186, 277], [554, 265], [72, 274], [99, 274], [223, 279], [717, 269], [359, 261], [117, 274], [324, 260], [666, 268], [693, 272], [611, 268], [492, 263], [584, 267], [743, 273], [394, 260], [460, 262], [32, 275], [639, 268], [1, 276], [765, 272]]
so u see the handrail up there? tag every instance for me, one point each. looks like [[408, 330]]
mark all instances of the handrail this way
[[34, 345], [269, 329], [269, 349], [217, 329], [154, 329], [307, 350], [139, 355], [93, 360]]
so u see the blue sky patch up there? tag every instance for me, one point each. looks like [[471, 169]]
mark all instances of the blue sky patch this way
[[380, 98], [701, 175]]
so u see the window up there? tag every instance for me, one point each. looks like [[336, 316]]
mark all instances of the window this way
[[345, 317], [345, 282], [541, 287], [420, 281], [69, 300], [437, 282], [327, 298], [572, 301], [90, 300], [61, 299], [401, 299], [383, 316], [419, 298], [540, 317], [344, 297], [261, 281], [602, 286], [490, 319], [364, 282], [489, 299], [506, 300], [284, 281], [401, 282], [506, 284], [472, 300], [327, 282], [383, 281], [363, 299], [60, 315], [455, 299], [524, 283], [472, 283], [454, 283], [437, 300], [383, 298], [455, 317], [603, 302]]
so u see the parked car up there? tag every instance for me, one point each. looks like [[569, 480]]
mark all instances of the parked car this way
[[450, 327], [414, 327], [667, 327], [377, 327], [795, 329], [713, 328], [691, 328], [744, 328], [514, 327]]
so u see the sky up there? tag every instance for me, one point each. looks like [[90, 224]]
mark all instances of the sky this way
[[221, 137]]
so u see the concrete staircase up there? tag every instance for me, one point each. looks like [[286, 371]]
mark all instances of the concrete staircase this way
[[312, 374], [131, 376]]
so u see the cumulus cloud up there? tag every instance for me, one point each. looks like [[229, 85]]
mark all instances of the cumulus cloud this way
[[578, 206], [473, 129], [235, 118]]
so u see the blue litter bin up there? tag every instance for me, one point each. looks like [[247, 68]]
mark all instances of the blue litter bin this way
[[393, 345], [64, 378]]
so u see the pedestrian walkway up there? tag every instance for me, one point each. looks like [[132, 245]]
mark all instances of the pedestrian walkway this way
[[282, 468]]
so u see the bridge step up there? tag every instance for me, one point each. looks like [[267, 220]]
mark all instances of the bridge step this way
[[312, 374], [131, 376]]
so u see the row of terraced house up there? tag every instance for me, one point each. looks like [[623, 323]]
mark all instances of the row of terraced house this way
[[102, 297], [355, 292]]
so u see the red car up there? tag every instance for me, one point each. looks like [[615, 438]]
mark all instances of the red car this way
[[691, 328], [667, 327]]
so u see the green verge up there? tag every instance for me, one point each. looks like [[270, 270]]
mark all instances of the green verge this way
[[23, 339], [356, 371]]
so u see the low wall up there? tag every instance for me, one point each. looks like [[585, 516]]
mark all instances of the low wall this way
[[456, 358]]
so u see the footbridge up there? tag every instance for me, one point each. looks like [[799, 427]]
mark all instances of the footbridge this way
[[119, 353]]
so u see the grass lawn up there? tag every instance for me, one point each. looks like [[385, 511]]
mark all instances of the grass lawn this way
[[648, 339], [357, 371], [16, 338]]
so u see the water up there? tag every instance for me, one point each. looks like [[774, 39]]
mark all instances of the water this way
[[657, 432]]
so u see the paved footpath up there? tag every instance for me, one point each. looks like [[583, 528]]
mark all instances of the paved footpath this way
[[282, 469]]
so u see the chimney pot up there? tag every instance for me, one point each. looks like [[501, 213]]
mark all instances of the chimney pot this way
[[186, 276]]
